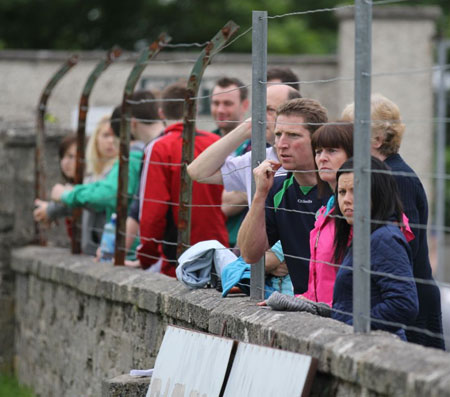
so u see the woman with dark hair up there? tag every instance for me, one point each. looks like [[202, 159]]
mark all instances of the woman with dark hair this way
[[332, 145], [49, 211], [393, 292], [387, 132]]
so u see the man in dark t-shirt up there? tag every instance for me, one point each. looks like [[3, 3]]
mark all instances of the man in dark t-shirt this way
[[292, 228], [284, 207]]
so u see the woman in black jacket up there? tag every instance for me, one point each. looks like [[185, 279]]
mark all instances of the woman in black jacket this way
[[393, 293], [387, 132]]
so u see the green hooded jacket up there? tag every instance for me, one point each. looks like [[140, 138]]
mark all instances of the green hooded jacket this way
[[102, 195]]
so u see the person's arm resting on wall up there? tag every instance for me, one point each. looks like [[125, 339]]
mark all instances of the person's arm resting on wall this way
[[206, 167], [252, 237]]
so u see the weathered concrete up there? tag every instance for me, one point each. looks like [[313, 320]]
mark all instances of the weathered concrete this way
[[402, 61], [16, 218], [29, 70], [125, 386], [80, 322]]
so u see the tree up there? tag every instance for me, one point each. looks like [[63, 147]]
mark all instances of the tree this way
[[99, 24]]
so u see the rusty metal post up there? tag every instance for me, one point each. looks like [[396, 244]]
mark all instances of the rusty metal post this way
[[190, 109], [40, 166], [122, 190], [81, 138]]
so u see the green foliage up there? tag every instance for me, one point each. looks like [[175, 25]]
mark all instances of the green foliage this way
[[99, 24], [10, 387]]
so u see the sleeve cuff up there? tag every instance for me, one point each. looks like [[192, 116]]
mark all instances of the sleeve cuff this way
[[64, 197]]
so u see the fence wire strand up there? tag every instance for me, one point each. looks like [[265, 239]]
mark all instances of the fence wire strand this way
[[117, 67]]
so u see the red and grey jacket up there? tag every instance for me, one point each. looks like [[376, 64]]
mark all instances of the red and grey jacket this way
[[159, 199]]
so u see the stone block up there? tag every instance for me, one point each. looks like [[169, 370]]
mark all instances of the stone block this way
[[125, 386], [79, 322]]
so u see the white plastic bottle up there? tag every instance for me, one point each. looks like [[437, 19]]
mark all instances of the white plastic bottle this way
[[108, 242]]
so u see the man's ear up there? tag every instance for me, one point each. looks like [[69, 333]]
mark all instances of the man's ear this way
[[245, 104]]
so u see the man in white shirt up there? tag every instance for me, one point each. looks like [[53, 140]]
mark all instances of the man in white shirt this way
[[215, 165]]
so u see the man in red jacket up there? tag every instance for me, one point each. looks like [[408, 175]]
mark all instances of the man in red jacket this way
[[160, 191]]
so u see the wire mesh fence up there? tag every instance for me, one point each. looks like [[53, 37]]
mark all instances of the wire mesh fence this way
[[363, 275]]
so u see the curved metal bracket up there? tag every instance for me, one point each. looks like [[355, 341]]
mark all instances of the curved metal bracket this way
[[190, 109], [122, 195], [83, 108], [40, 166]]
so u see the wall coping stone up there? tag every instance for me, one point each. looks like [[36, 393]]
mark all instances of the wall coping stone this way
[[125, 385], [379, 361], [396, 12], [246, 58], [24, 135]]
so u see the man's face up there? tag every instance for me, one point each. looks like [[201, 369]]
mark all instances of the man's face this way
[[227, 109], [293, 143], [276, 96]]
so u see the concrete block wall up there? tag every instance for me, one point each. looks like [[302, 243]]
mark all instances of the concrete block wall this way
[[79, 323]]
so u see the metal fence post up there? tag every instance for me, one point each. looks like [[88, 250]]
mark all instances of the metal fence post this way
[[188, 138], [40, 166], [124, 153], [259, 88], [362, 176], [440, 159], [81, 139]]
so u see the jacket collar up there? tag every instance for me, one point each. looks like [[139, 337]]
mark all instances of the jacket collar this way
[[176, 127]]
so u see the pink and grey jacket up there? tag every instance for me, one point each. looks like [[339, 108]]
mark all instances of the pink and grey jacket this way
[[322, 271]]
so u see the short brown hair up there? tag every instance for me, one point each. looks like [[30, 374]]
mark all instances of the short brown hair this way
[[285, 75], [225, 82], [173, 110], [144, 107], [313, 113]]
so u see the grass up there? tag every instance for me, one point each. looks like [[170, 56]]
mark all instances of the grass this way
[[9, 387]]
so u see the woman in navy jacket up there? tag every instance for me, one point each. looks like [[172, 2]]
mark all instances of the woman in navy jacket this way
[[393, 293], [387, 132]]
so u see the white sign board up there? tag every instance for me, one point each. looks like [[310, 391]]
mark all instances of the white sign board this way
[[190, 364], [259, 371]]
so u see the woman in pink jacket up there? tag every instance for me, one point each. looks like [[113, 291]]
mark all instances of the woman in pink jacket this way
[[332, 146]]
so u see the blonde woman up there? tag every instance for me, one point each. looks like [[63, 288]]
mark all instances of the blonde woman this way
[[101, 153]]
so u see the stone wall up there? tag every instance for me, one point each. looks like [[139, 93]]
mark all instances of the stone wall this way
[[28, 71], [80, 322], [16, 219]]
